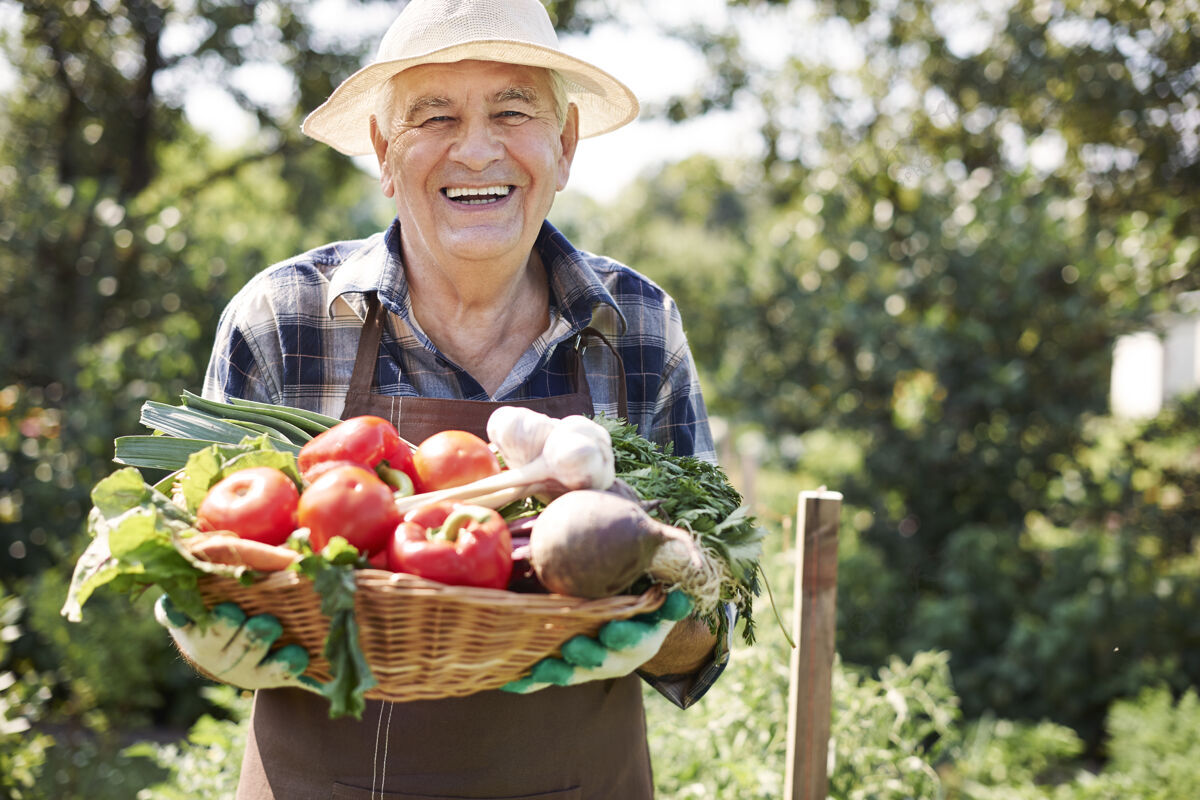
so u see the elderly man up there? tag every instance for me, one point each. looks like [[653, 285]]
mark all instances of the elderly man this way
[[468, 301]]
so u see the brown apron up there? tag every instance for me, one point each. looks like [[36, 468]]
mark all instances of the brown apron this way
[[585, 742]]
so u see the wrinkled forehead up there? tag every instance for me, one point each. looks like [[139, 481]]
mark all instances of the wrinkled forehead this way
[[463, 80]]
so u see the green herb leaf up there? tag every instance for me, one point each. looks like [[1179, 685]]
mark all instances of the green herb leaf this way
[[332, 574], [697, 496]]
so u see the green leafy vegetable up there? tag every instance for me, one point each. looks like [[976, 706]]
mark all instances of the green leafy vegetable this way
[[205, 467], [332, 574], [182, 430], [136, 530], [189, 423], [272, 424], [311, 421], [199, 422], [156, 452], [133, 528], [695, 495]]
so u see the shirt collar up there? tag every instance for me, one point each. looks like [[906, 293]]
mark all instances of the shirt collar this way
[[376, 266], [574, 285], [368, 268]]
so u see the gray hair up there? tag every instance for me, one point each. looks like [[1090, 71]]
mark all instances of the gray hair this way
[[387, 97]]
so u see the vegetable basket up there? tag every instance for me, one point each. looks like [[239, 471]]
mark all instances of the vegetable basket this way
[[425, 640]]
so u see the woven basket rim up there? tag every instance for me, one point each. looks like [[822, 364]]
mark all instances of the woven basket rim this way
[[403, 583], [427, 640]]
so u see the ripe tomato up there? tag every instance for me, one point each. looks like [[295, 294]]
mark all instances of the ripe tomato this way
[[257, 503], [321, 467], [365, 440], [452, 458], [351, 502]]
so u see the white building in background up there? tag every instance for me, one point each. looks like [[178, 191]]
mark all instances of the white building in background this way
[[1151, 368]]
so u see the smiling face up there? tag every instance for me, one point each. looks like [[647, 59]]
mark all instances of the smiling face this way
[[473, 157]]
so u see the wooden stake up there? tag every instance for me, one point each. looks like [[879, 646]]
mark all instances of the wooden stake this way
[[814, 626]]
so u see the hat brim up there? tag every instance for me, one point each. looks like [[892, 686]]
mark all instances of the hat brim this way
[[341, 122]]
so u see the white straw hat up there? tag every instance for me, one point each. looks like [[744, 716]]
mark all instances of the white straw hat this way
[[444, 31]]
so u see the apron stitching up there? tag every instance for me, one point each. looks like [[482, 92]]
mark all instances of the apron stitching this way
[[375, 761], [387, 735]]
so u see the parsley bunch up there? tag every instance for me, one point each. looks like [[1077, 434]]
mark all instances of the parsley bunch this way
[[697, 496]]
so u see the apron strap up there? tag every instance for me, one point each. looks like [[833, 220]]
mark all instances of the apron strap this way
[[581, 376], [363, 376]]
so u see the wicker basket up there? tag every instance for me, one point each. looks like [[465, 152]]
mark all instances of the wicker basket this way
[[425, 640]]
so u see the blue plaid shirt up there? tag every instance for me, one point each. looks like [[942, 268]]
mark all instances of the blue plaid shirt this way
[[290, 337]]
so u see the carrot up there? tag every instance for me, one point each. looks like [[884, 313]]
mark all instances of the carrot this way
[[228, 548]]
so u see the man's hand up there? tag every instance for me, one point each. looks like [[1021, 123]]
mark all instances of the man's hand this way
[[235, 649], [686, 649], [620, 647]]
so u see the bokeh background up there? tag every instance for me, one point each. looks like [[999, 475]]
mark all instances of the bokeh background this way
[[911, 241]]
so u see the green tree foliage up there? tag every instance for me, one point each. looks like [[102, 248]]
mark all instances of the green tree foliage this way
[[206, 763], [941, 243], [928, 263], [1071, 621], [1153, 738], [933, 258], [1136, 475], [123, 231]]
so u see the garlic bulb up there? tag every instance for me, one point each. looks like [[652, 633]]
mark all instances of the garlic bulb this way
[[519, 433], [574, 453], [579, 455]]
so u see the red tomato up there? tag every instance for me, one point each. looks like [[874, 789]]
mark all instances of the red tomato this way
[[452, 458], [399, 456], [382, 560], [351, 502], [321, 467], [365, 440], [257, 503]]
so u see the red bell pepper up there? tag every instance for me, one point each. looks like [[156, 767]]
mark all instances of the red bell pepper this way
[[368, 440], [454, 543]]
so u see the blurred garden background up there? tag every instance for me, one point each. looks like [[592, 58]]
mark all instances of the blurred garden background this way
[[903, 271]]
